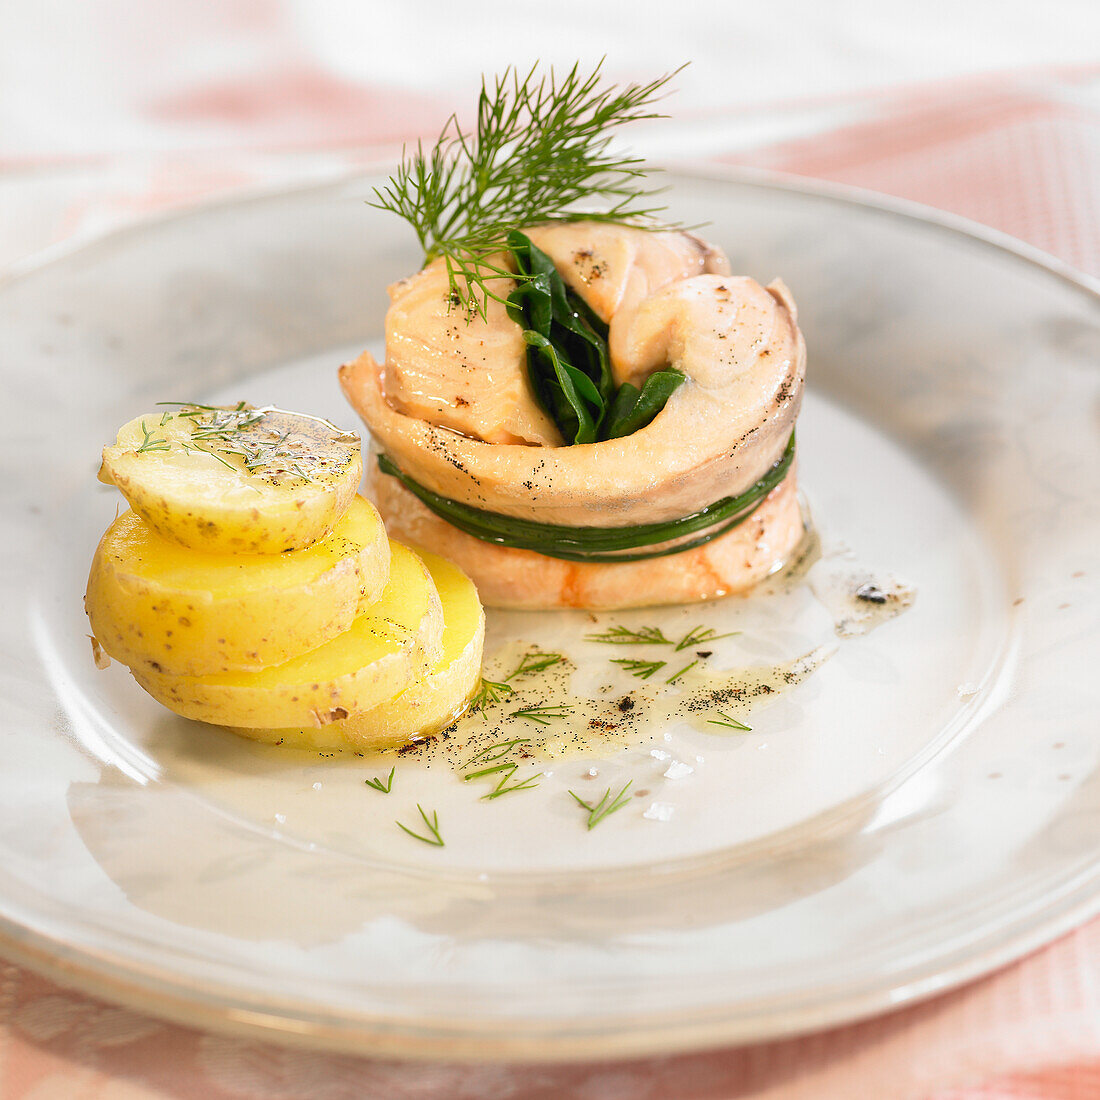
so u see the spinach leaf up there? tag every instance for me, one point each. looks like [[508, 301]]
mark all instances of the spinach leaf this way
[[601, 544], [567, 357], [633, 408]]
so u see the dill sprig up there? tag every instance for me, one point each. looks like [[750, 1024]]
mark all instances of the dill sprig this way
[[729, 722], [489, 693], [489, 756], [493, 769], [535, 661], [543, 715], [699, 635], [642, 669], [653, 635], [151, 443], [380, 784], [676, 675], [496, 751], [224, 430], [622, 635], [435, 837], [606, 805], [502, 787], [541, 146]]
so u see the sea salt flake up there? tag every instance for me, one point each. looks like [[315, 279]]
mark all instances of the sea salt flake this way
[[660, 811], [678, 770], [967, 689], [660, 754]]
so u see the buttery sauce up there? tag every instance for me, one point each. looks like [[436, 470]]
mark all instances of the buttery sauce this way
[[631, 693], [859, 601], [554, 720]]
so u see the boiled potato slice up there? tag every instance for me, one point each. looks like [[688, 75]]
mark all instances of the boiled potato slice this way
[[236, 480], [157, 605], [396, 641], [425, 707]]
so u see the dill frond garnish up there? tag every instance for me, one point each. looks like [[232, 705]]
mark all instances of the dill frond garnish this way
[[699, 635], [652, 635], [506, 770], [543, 715], [606, 805], [435, 837], [489, 693], [533, 662], [380, 784], [502, 788], [642, 669], [492, 770], [151, 443], [676, 675], [621, 635], [541, 146], [497, 751], [221, 431], [729, 722]]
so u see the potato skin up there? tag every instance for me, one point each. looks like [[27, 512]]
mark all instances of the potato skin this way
[[162, 608], [292, 525], [195, 499], [395, 642]]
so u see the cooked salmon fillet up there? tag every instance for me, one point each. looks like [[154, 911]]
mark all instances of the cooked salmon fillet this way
[[669, 300], [469, 375], [505, 577]]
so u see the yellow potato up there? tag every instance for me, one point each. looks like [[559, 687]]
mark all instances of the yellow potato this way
[[425, 707], [237, 480], [392, 644], [162, 607]]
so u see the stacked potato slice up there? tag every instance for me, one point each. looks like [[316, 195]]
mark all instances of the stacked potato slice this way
[[251, 587]]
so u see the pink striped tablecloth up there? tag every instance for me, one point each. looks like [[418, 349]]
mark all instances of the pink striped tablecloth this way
[[1020, 153]]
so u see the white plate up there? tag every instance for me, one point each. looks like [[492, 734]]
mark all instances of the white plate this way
[[923, 808]]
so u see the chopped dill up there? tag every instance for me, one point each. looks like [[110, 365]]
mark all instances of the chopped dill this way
[[502, 787], [606, 805], [491, 770], [435, 838], [652, 635], [490, 756], [676, 675], [221, 429], [489, 693], [497, 751], [729, 722], [699, 635], [543, 715], [533, 662], [642, 669], [151, 443], [380, 784], [621, 635]]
